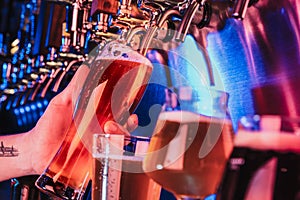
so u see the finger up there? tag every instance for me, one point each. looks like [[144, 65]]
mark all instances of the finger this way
[[132, 123], [115, 128]]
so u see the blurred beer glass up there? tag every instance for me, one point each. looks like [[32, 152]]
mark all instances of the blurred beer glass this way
[[117, 168], [112, 90], [265, 162], [191, 143]]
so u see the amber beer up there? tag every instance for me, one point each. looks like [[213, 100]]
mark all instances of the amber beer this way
[[263, 165], [119, 183], [178, 164], [123, 74], [117, 169]]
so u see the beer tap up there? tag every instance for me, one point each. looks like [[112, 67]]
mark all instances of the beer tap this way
[[43, 77], [54, 68], [102, 22], [234, 8], [125, 8], [122, 22], [240, 8], [7, 96], [103, 13], [101, 25], [131, 23], [21, 62], [37, 77], [76, 7], [85, 24], [184, 11], [134, 25], [79, 26], [69, 70], [71, 52], [21, 88], [31, 82], [189, 17], [65, 39], [54, 72]]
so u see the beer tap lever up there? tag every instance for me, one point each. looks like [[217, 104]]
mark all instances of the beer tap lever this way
[[59, 80], [153, 29], [76, 7], [187, 20], [240, 8]]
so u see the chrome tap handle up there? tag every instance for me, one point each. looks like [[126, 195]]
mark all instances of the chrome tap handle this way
[[54, 74], [187, 20], [59, 83], [76, 8], [153, 29], [240, 8]]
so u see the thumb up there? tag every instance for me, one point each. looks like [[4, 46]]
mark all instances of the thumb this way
[[115, 128]]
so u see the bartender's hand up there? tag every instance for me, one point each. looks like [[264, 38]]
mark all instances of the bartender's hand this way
[[51, 128]]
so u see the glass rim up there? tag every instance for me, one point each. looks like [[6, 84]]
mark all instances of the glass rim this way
[[137, 137], [253, 121], [283, 117]]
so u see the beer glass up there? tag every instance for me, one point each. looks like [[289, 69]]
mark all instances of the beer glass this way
[[265, 161], [117, 168], [111, 91], [191, 143]]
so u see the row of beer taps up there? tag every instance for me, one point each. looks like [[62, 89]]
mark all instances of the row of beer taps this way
[[29, 78]]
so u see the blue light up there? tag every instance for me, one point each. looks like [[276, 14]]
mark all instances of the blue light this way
[[14, 60], [4, 84], [35, 116], [14, 77], [228, 59], [1, 40], [39, 105], [8, 105], [29, 118], [33, 107], [21, 72], [4, 67], [28, 48], [3, 98], [211, 197], [22, 101], [15, 102], [24, 119], [45, 102], [20, 123], [16, 111], [27, 108], [22, 111], [29, 68]]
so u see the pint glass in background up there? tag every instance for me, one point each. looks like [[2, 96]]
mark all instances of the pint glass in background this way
[[265, 162], [117, 169], [113, 88], [191, 143]]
